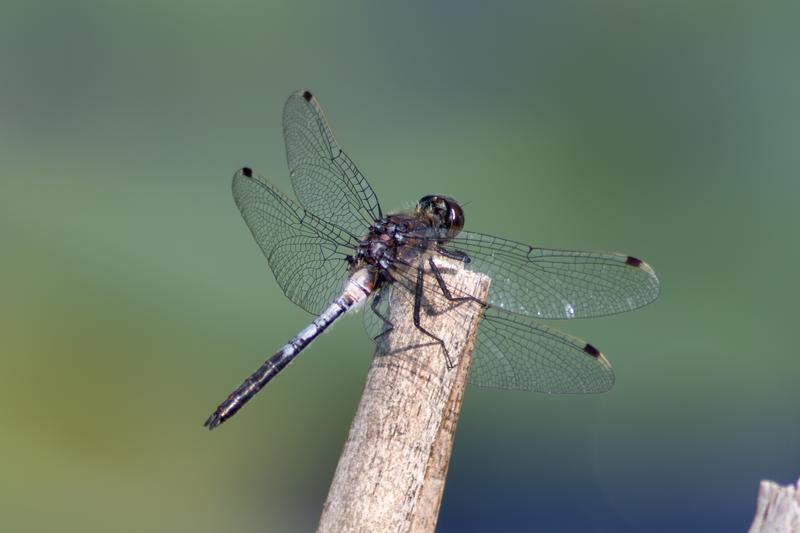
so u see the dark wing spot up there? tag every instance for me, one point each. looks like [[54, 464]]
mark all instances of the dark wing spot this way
[[632, 261], [247, 171], [591, 350], [307, 96]]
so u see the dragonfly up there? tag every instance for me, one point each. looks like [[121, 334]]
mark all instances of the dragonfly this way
[[336, 250]]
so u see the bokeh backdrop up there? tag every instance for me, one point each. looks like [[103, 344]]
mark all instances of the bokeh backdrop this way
[[133, 298]]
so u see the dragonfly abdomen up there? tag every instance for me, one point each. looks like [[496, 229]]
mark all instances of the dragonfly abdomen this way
[[356, 291]]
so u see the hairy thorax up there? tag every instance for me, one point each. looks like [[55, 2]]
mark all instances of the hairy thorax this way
[[392, 243]]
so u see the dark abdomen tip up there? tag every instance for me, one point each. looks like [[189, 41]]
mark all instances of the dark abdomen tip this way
[[591, 350], [632, 261]]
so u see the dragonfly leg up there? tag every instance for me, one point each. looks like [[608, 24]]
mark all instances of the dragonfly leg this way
[[454, 254], [376, 300], [459, 300], [418, 306]]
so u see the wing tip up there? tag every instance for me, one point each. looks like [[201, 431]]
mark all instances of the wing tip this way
[[643, 266], [608, 373], [307, 96], [247, 171], [591, 350], [633, 261]]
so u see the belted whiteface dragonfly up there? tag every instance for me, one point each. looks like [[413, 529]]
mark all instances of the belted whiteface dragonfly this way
[[337, 249]]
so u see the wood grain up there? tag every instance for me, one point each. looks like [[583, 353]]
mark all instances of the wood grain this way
[[392, 472], [777, 509]]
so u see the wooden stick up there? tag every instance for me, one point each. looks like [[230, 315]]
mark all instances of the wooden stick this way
[[777, 509], [391, 474]]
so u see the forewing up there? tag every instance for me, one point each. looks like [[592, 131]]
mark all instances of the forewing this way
[[546, 283], [306, 254], [325, 180]]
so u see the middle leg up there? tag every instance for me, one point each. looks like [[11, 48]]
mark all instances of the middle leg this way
[[418, 291]]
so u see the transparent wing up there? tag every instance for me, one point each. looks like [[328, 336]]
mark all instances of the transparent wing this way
[[325, 180], [306, 254], [513, 351], [546, 283]]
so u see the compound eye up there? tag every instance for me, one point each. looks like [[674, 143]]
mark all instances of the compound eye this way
[[455, 218], [427, 201]]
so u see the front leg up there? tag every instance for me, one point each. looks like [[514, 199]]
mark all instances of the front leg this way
[[454, 254], [446, 291]]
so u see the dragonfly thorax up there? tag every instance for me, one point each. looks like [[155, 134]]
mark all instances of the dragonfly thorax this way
[[392, 240]]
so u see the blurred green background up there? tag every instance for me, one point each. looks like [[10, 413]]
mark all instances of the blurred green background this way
[[134, 298]]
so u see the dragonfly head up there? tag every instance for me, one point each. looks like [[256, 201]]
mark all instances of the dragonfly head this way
[[445, 213]]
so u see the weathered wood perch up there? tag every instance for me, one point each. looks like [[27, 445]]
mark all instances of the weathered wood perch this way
[[392, 471], [777, 509]]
